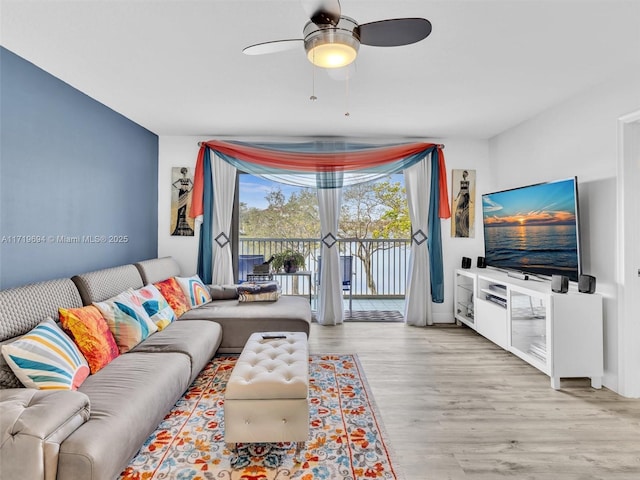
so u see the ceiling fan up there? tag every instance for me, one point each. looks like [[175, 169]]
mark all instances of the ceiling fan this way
[[332, 40]]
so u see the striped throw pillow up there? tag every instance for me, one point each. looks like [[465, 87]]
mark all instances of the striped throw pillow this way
[[46, 359]]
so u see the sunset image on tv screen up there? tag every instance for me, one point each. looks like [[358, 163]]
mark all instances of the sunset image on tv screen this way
[[533, 229]]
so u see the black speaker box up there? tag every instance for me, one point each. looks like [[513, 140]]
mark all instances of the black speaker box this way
[[559, 283], [586, 284], [481, 262], [466, 262]]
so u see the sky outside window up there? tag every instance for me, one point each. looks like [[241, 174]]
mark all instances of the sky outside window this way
[[253, 190]]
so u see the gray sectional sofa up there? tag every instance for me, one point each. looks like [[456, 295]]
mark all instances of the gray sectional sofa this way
[[92, 433]]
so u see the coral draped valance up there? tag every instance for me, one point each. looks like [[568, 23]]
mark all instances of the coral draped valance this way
[[321, 164], [296, 157]]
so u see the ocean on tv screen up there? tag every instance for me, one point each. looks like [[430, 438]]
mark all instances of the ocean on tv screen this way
[[533, 229]]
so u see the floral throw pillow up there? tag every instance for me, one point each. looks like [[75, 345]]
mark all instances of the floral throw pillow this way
[[173, 294], [90, 332], [195, 290], [46, 359], [156, 306]]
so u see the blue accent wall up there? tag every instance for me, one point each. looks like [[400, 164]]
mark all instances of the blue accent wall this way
[[78, 181]]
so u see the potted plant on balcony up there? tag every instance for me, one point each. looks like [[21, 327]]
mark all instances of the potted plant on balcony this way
[[288, 260]]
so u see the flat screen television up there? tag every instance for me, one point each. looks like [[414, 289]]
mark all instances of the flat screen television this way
[[534, 229]]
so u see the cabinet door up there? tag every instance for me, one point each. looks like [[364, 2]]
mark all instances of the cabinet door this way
[[492, 322], [529, 319], [491, 310], [465, 298], [577, 336]]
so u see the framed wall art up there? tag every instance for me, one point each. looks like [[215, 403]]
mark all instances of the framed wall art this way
[[463, 203], [181, 187]]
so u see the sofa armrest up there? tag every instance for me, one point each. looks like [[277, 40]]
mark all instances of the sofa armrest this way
[[33, 424]]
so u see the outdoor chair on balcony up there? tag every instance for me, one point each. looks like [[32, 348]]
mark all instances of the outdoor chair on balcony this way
[[245, 265], [346, 266]]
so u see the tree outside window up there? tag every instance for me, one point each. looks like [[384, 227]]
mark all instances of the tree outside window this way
[[369, 211]]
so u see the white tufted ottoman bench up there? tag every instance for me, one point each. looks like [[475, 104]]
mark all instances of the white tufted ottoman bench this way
[[266, 399]]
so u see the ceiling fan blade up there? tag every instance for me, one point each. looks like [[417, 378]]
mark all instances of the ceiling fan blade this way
[[273, 47], [394, 32], [323, 12]]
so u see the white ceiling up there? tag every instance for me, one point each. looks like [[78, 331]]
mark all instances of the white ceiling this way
[[176, 67]]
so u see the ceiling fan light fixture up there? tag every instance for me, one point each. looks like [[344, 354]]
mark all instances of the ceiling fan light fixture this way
[[332, 47], [332, 55]]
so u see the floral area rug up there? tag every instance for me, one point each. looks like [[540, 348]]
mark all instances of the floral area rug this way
[[346, 439]]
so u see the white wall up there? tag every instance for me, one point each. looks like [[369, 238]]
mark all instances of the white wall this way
[[468, 155], [578, 137], [459, 154], [175, 152]]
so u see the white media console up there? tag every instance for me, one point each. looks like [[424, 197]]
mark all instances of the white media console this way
[[558, 333]]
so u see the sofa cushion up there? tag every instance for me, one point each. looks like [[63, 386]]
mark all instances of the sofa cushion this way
[[173, 294], [127, 319], [90, 332], [22, 308], [198, 339], [240, 320], [157, 269], [156, 306], [101, 285], [223, 292], [195, 291], [47, 359], [129, 398], [33, 424]]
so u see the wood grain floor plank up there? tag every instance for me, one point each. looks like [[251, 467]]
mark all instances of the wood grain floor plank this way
[[457, 407]]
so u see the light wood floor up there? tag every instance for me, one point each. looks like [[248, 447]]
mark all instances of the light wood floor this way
[[455, 406]]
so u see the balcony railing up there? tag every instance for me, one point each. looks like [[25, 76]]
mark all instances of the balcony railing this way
[[379, 266]]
